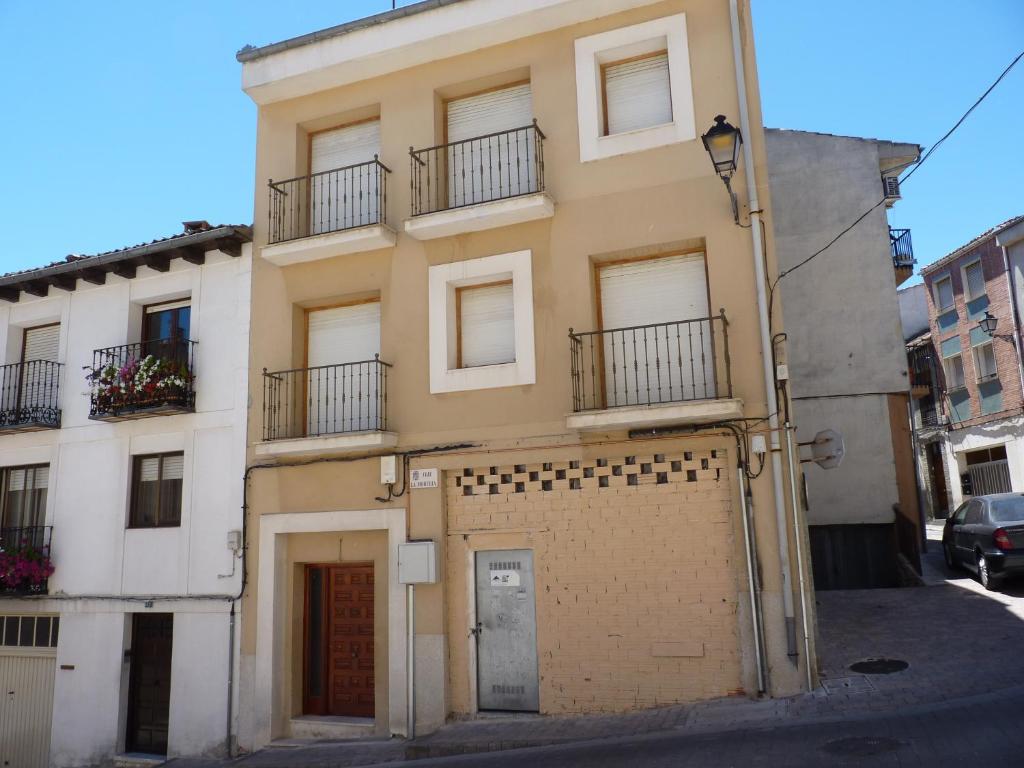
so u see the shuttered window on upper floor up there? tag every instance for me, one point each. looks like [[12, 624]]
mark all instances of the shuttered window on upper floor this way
[[636, 93], [486, 325]]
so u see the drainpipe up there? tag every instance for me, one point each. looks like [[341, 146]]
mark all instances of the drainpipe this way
[[798, 539], [410, 662], [752, 586], [766, 347]]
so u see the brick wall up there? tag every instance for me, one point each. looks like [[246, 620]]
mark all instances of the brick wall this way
[[636, 564], [997, 290]]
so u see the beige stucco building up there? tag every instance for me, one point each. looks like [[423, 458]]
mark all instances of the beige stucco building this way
[[493, 246]]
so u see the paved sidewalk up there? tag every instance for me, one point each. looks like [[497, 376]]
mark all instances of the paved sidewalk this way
[[924, 626]]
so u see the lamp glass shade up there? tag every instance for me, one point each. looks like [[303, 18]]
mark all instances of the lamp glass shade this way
[[723, 141], [988, 323]]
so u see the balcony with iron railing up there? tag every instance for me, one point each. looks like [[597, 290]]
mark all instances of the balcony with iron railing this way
[[30, 396], [25, 566], [478, 183], [327, 408], [147, 378], [652, 375], [330, 213], [902, 253]]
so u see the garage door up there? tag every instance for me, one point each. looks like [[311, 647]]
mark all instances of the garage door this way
[[28, 650]]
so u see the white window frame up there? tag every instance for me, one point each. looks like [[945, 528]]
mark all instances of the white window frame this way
[[976, 352], [935, 292], [664, 34], [968, 296], [443, 280]]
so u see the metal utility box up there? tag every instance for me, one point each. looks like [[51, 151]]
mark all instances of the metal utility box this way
[[387, 470], [417, 562]]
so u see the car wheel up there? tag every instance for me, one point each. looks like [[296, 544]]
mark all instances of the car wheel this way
[[988, 581], [947, 555]]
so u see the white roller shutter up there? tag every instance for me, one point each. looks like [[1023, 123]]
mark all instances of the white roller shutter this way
[[484, 166], [486, 325], [671, 361], [343, 189], [637, 94], [343, 398], [39, 379]]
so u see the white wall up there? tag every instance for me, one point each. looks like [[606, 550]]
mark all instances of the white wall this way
[[913, 310], [94, 554], [1008, 432]]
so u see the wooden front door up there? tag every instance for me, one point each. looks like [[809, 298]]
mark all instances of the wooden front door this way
[[338, 659], [149, 685]]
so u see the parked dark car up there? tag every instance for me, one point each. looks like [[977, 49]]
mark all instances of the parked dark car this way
[[986, 535]]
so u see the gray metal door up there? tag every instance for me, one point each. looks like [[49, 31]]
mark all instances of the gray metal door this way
[[990, 477], [506, 631]]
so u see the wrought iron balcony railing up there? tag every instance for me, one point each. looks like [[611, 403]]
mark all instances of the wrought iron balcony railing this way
[[902, 248], [650, 364], [30, 396], [325, 400], [147, 378], [329, 201], [497, 166], [25, 566]]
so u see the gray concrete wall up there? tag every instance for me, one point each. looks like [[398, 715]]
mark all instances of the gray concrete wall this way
[[913, 310], [841, 315]]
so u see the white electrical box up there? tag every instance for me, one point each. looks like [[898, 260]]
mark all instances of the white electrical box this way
[[782, 372], [757, 445], [417, 562], [234, 540], [387, 470]]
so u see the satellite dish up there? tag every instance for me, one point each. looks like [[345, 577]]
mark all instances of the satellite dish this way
[[828, 449]]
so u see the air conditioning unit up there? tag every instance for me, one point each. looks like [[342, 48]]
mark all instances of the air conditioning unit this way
[[891, 187]]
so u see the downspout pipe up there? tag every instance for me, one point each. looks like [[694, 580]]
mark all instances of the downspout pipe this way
[[767, 355]]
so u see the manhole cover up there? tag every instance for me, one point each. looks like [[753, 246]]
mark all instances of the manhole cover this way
[[879, 666], [861, 746]]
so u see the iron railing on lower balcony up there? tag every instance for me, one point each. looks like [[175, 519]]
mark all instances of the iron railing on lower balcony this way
[[30, 395], [650, 364], [497, 166], [902, 248], [325, 400], [25, 565], [329, 201], [142, 379]]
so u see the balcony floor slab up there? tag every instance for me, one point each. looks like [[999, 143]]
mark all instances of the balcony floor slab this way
[[658, 415], [482, 216], [330, 244], [327, 445]]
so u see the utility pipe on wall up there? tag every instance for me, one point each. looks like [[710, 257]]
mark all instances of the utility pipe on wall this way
[[798, 544], [410, 661], [764, 323]]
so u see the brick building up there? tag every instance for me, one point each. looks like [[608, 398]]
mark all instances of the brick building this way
[[979, 380]]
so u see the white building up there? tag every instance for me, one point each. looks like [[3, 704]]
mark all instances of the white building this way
[[132, 485]]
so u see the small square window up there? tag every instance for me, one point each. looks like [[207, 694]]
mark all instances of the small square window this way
[[985, 362], [156, 490], [637, 93], [486, 320]]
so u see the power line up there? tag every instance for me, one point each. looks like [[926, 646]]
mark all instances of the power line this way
[[913, 170]]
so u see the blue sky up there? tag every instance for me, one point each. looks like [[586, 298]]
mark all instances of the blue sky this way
[[127, 118]]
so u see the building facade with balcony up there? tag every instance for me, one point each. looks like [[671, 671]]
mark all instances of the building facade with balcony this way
[[978, 372], [501, 304], [847, 363], [122, 451]]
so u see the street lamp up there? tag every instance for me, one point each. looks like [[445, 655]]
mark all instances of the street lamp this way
[[988, 324], [723, 141]]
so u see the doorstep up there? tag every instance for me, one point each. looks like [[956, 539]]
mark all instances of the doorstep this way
[[317, 727], [138, 760]]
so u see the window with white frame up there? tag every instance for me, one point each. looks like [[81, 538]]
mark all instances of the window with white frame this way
[[974, 280], [481, 323], [954, 369], [633, 88], [985, 361], [943, 288]]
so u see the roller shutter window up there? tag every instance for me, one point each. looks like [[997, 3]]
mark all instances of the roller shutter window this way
[[343, 381], [485, 161], [344, 185], [975, 279], [637, 94], [486, 319], [650, 354], [24, 496], [39, 374]]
